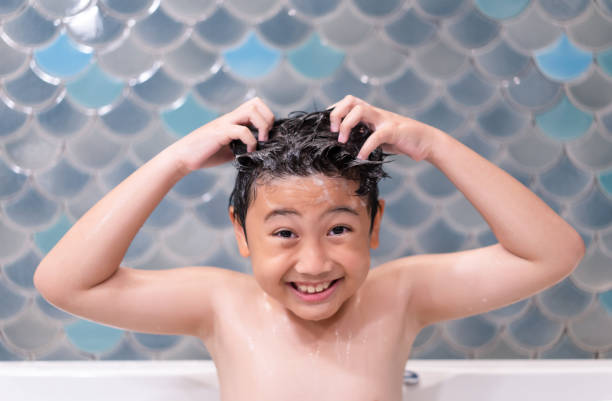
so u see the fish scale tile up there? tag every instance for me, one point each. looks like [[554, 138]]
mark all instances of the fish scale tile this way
[[90, 90]]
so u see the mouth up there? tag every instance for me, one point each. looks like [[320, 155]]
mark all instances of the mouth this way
[[312, 292]]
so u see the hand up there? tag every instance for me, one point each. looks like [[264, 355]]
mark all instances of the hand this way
[[208, 145], [397, 134]]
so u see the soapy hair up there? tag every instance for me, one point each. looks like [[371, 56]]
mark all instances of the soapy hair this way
[[303, 145]]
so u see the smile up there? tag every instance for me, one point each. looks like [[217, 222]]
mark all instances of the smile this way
[[312, 292]]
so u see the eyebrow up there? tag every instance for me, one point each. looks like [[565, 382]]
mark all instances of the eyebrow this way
[[285, 212]]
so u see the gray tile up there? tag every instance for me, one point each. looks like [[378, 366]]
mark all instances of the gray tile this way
[[532, 30], [502, 61], [11, 243], [346, 28], [564, 299], [62, 8], [127, 118], [534, 329], [565, 179], [440, 61], [30, 90], [377, 58], [12, 59], [12, 301], [533, 90], [62, 119], [93, 149], [501, 120], [222, 89], [293, 90], [192, 240], [441, 8], [31, 209], [94, 27], [503, 349], [470, 89], [594, 211], [593, 93], [593, 330], [128, 61], [440, 237], [284, 29], [411, 29], [29, 332], [409, 89], [221, 28], [593, 150], [128, 8], [593, 273], [30, 29], [188, 10], [11, 180], [158, 30], [535, 151], [377, 8], [565, 348], [593, 33], [160, 89], [563, 10], [63, 180], [190, 62], [471, 332], [474, 29]]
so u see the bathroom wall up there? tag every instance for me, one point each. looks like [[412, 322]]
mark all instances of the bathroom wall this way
[[91, 90]]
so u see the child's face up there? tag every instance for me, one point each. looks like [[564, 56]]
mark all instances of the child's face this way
[[309, 231]]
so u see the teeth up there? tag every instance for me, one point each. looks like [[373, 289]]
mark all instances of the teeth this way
[[311, 289]]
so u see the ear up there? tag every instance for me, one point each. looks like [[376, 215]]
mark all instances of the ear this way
[[374, 236], [243, 247]]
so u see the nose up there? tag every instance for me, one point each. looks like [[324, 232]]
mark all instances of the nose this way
[[313, 259]]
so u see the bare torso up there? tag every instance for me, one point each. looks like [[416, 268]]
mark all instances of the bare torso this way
[[264, 352]]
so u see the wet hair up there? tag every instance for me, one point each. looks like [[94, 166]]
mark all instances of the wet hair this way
[[303, 145]]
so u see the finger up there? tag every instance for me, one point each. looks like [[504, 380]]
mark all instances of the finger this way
[[268, 118], [244, 134], [259, 121], [376, 139], [350, 121], [341, 109]]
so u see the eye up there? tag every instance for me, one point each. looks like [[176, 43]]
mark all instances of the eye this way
[[338, 230], [284, 234]]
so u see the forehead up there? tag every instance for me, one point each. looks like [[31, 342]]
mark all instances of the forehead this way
[[312, 191]]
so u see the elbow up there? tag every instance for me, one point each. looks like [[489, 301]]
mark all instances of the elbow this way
[[575, 251]]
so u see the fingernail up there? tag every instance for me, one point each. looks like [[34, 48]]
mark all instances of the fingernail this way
[[334, 127]]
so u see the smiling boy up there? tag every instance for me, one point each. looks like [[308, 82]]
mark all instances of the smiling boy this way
[[313, 322]]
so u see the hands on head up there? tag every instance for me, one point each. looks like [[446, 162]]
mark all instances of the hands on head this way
[[208, 145]]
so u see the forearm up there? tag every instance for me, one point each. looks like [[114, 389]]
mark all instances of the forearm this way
[[92, 250], [523, 224]]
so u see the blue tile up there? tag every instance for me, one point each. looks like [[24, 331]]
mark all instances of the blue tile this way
[[593, 93], [474, 30], [156, 342], [315, 8], [377, 8], [127, 7], [10, 6], [502, 61], [10, 120], [565, 300], [440, 237], [30, 90], [94, 27], [470, 90], [500, 9], [11, 241], [95, 88], [63, 180], [142, 242], [409, 89], [284, 30], [46, 240], [167, 212], [293, 90], [564, 121], [30, 209], [533, 90], [315, 59], [501, 121], [605, 180], [435, 183], [12, 302], [63, 8], [564, 10], [343, 83], [605, 299], [21, 271], [62, 58], [187, 117], [213, 211], [474, 331], [92, 337], [409, 210], [441, 116], [221, 28], [159, 89], [535, 329], [565, 179], [195, 184], [411, 30], [594, 211], [562, 60], [30, 28], [604, 60], [158, 29], [441, 8], [222, 89], [61, 119], [251, 58]]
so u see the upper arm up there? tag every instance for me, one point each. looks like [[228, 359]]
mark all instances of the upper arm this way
[[459, 284], [173, 301]]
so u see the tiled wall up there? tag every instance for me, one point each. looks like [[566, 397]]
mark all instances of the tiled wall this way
[[90, 90]]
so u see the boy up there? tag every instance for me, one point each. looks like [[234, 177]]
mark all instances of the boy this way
[[313, 322]]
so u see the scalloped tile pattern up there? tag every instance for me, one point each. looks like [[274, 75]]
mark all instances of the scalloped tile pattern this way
[[92, 89]]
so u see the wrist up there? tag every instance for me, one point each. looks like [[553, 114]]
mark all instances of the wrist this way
[[438, 142], [172, 159]]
